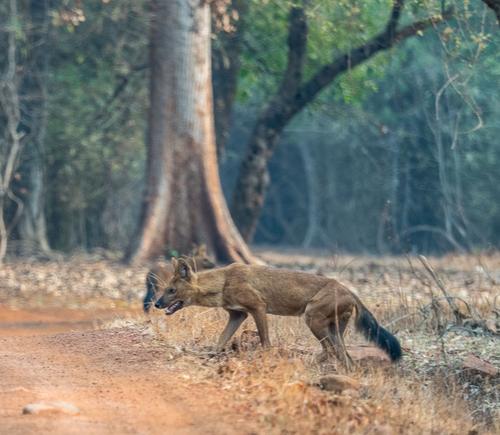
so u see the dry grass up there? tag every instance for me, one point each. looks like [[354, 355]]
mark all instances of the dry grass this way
[[428, 392], [423, 394]]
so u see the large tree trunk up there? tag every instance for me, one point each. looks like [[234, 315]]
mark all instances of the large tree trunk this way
[[293, 96], [184, 203], [32, 226]]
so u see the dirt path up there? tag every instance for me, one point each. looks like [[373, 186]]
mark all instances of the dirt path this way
[[116, 377]]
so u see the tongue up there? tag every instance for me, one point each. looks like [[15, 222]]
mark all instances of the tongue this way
[[171, 309]]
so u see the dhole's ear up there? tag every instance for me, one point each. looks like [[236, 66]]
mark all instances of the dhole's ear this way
[[202, 250], [199, 250], [184, 269]]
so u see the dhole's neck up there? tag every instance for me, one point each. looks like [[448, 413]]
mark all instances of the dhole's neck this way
[[210, 285]]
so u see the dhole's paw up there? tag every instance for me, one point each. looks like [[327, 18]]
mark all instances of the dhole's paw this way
[[215, 352], [323, 357], [248, 341]]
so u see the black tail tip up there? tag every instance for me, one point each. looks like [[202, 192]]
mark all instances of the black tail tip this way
[[390, 345], [379, 335]]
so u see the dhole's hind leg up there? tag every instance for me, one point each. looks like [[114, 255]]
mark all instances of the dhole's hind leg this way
[[337, 330], [327, 319], [319, 325], [260, 317]]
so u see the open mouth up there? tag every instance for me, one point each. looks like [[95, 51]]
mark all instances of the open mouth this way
[[172, 308]]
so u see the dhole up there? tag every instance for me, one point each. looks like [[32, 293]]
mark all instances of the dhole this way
[[160, 274], [241, 289]]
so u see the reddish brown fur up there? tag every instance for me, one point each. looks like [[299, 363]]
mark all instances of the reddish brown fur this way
[[241, 289]]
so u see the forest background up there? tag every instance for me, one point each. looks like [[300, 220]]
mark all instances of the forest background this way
[[398, 153]]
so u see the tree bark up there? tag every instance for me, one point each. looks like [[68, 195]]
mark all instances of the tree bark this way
[[292, 96], [253, 177], [32, 225], [183, 203]]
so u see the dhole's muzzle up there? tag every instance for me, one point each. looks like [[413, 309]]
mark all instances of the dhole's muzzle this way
[[170, 302]]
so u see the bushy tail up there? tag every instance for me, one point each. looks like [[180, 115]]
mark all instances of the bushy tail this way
[[148, 301], [368, 325]]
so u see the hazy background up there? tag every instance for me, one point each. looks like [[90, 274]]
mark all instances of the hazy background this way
[[400, 154]]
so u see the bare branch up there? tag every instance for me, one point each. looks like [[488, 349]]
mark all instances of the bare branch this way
[[19, 211]]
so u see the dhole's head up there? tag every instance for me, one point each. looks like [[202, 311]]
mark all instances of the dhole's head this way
[[181, 289], [200, 260]]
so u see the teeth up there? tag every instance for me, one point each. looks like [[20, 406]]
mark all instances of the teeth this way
[[171, 309]]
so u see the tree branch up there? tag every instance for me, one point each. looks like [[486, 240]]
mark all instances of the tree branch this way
[[392, 24], [292, 97], [122, 82], [383, 41]]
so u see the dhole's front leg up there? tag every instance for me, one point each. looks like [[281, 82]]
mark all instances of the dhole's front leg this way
[[236, 318]]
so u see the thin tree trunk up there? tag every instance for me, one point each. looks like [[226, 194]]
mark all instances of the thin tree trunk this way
[[291, 98], [253, 177], [184, 203], [313, 208], [9, 103], [32, 226], [3, 230], [225, 68]]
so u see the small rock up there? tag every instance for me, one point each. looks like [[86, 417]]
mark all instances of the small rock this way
[[337, 383], [51, 408], [475, 364]]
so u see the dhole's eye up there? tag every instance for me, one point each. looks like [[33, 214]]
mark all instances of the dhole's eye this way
[[171, 290]]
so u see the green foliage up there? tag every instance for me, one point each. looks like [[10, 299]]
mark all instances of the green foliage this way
[[96, 138], [335, 28]]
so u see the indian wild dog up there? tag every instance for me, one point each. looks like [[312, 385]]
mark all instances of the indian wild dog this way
[[242, 289], [160, 274]]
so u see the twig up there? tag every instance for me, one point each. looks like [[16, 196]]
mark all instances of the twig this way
[[451, 297], [401, 318], [456, 311]]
